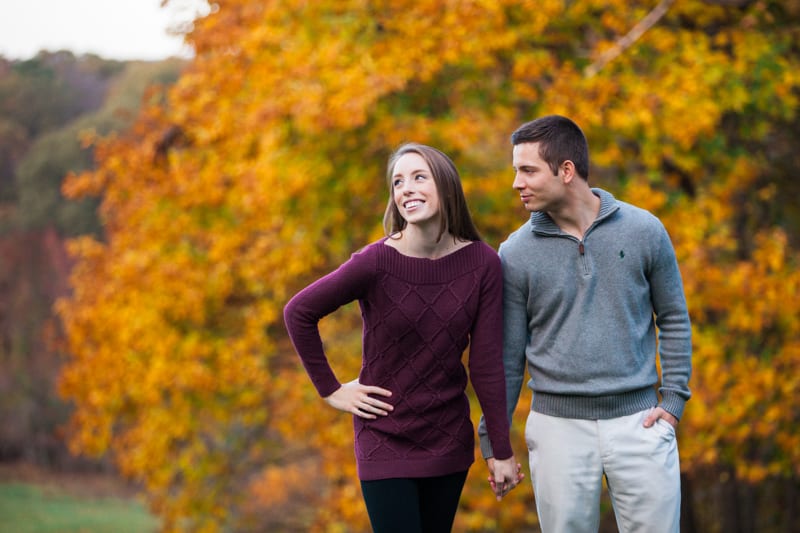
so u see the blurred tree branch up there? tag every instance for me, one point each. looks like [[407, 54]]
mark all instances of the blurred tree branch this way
[[631, 37]]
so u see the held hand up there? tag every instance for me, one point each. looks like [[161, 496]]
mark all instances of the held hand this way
[[655, 414], [355, 398], [504, 475]]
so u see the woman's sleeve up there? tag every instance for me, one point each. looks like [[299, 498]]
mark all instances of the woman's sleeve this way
[[303, 312], [486, 359]]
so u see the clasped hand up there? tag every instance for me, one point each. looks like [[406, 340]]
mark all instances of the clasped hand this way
[[504, 475], [355, 398]]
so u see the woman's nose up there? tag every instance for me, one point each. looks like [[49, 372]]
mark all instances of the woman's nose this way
[[407, 187]]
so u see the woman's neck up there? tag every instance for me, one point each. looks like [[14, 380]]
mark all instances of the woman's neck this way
[[415, 241]]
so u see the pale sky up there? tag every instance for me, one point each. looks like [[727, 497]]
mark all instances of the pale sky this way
[[112, 29]]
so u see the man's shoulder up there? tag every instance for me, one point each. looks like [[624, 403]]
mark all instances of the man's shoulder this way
[[626, 215], [516, 238], [637, 217]]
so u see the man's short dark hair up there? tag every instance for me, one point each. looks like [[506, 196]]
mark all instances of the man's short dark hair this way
[[559, 138]]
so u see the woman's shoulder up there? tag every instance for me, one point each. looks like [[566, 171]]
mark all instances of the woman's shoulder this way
[[488, 257], [371, 248], [485, 251], [483, 248]]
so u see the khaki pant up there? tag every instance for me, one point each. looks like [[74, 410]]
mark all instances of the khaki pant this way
[[569, 457]]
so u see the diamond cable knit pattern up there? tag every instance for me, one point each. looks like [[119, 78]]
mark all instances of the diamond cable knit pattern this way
[[419, 316]]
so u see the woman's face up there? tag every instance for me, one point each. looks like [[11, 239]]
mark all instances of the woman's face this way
[[414, 190]]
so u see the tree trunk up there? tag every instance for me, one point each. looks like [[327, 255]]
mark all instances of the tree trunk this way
[[687, 506]]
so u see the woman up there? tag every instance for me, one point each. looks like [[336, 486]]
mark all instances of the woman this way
[[427, 291]]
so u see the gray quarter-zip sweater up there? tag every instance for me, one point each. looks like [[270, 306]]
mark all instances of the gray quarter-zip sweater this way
[[583, 315]]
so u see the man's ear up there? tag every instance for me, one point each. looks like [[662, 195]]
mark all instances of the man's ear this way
[[567, 170]]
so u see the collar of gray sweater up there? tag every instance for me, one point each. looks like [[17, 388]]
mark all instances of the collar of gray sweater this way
[[542, 223]]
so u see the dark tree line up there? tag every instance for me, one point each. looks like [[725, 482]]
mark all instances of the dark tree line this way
[[46, 104]]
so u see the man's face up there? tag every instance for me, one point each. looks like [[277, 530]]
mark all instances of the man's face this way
[[539, 189]]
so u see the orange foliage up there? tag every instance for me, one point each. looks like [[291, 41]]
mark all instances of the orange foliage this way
[[264, 168]]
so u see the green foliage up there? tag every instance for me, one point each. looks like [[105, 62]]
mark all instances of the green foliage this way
[[39, 177], [47, 105], [34, 96], [61, 151], [131, 84]]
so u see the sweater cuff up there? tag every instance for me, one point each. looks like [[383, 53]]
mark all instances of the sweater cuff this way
[[673, 404], [486, 448], [487, 451], [483, 439], [327, 387]]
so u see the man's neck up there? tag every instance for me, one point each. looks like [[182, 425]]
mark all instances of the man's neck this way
[[578, 212]]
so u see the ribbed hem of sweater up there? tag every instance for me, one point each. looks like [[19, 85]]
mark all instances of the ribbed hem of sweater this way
[[594, 407], [428, 467]]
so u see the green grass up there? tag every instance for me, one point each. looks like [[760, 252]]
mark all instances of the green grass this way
[[28, 508]]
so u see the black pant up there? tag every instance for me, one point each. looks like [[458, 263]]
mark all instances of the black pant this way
[[413, 505]]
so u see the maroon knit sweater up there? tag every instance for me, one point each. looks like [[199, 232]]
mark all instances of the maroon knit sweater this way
[[419, 316]]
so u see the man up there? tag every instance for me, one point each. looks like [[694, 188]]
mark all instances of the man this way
[[588, 279]]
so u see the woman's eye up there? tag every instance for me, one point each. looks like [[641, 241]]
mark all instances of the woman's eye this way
[[395, 183], [420, 177]]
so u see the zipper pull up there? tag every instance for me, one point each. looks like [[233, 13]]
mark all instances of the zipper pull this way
[[580, 247]]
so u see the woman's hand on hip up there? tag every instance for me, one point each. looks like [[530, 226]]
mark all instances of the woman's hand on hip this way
[[355, 398]]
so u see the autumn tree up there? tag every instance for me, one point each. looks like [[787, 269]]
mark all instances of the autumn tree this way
[[263, 168]]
